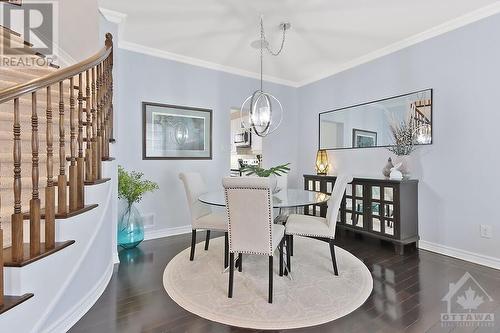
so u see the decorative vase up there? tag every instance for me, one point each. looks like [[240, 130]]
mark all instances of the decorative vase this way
[[386, 171], [130, 227], [274, 183], [405, 165]]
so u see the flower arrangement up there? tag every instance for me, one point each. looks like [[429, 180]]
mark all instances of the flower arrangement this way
[[131, 186], [261, 172], [404, 136]]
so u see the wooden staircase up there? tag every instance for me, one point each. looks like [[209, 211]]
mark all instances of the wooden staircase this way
[[55, 129]]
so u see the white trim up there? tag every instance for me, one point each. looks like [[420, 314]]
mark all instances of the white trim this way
[[134, 47], [112, 15], [454, 24], [116, 18], [476, 258], [66, 321], [83, 255], [166, 232]]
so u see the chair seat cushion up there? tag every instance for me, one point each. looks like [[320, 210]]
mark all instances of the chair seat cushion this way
[[213, 221], [278, 233], [305, 225]]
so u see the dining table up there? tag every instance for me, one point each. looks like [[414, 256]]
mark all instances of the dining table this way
[[282, 199], [285, 198]]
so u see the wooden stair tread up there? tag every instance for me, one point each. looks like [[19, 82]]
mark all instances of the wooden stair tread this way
[[28, 258], [94, 182], [11, 301], [97, 181], [86, 208]]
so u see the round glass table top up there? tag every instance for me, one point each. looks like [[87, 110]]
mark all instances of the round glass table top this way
[[282, 199]]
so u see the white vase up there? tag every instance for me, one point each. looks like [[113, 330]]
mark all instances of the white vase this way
[[274, 183], [405, 165]]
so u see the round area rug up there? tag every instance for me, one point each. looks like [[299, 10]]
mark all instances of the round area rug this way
[[313, 296]]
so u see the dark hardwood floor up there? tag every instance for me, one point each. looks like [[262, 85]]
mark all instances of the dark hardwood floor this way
[[407, 293]]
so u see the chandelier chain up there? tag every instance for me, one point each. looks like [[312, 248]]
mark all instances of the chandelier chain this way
[[267, 44]]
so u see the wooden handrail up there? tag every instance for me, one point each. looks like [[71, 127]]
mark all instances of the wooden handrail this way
[[59, 75]]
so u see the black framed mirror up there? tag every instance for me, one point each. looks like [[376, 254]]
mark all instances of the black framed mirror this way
[[368, 125]]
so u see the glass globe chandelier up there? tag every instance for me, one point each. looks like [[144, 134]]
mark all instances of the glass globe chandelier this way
[[265, 111]]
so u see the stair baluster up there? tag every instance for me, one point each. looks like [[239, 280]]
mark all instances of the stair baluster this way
[[49, 190], [62, 204], [89, 176], [109, 43], [95, 151], [80, 162], [35, 198], [106, 109], [98, 122], [17, 217], [73, 177]]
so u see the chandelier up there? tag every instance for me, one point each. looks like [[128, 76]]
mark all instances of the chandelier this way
[[265, 111]]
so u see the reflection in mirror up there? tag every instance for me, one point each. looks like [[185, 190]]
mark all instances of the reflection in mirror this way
[[368, 124]]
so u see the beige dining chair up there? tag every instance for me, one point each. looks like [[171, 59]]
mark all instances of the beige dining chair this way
[[250, 224], [202, 216], [318, 227]]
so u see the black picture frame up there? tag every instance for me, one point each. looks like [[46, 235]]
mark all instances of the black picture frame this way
[[178, 108], [357, 131]]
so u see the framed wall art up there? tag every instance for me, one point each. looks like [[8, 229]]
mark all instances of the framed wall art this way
[[363, 138], [176, 132]]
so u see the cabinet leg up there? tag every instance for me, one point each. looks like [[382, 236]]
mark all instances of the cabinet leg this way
[[399, 249]]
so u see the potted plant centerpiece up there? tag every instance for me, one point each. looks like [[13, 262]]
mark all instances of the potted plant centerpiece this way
[[131, 188], [272, 173]]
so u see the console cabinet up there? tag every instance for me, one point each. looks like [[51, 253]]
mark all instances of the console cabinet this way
[[382, 208]]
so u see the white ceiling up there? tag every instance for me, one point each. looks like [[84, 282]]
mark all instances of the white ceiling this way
[[327, 36]]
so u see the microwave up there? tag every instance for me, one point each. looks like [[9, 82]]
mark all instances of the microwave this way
[[243, 139]]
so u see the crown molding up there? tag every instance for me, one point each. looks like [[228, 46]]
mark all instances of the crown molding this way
[[134, 47], [441, 29], [113, 16]]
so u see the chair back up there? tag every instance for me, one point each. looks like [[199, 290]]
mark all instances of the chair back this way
[[335, 200], [250, 214], [195, 186]]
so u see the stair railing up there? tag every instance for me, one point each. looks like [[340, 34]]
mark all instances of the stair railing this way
[[90, 131]]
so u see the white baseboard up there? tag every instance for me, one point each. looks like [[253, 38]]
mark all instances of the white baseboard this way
[[460, 254], [166, 232], [116, 258], [78, 310]]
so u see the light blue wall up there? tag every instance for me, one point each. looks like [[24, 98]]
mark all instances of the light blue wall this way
[[147, 78], [459, 173]]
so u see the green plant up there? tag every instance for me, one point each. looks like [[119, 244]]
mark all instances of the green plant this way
[[261, 172], [131, 186]]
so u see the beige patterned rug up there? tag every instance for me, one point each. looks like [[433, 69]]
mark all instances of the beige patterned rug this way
[[314, 296]]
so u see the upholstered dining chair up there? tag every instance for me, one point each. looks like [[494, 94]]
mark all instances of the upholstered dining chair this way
[[318, 227], [250, 224], [202, 216]]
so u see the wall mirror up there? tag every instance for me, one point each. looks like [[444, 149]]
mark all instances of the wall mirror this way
[[367, 125]]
